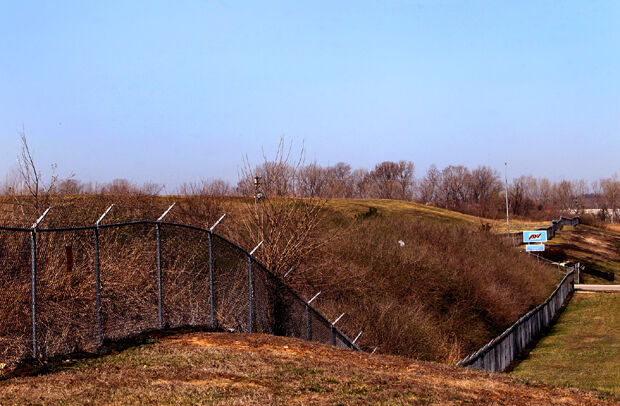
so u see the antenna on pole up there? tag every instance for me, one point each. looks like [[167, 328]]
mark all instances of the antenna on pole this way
[[507, 215]]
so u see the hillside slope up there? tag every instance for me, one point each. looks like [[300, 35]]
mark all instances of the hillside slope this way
[[419, 281], [417, 210], [597, 248], [225, 368]]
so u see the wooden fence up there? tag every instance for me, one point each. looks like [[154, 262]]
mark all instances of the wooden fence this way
[[555, 225], [499, 353]]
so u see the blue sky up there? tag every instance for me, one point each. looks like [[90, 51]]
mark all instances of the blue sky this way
[[178, 91]]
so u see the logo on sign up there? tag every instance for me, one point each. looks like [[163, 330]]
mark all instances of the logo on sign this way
[[535, 236]]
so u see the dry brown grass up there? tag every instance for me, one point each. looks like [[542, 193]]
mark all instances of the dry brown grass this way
[[445, 293], [596, 247], [442, 295], [257, 369]]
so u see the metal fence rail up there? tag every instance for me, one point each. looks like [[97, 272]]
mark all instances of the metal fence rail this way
[[498, 353], [70, 289]]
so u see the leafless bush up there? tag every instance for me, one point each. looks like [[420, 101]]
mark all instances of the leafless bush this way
[[289, 226], [32, 183], [444, 293]]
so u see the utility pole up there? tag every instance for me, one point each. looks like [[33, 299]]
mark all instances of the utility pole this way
[[507, 215], [258, 195]]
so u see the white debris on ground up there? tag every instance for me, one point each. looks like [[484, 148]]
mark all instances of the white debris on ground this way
[[401, 243]]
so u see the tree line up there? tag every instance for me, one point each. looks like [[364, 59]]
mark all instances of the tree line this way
[[478, 191]]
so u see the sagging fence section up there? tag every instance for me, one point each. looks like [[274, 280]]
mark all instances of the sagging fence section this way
[[555, 225], [67, 290], [499, 353]]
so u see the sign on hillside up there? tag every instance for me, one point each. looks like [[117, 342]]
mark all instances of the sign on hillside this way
[[534, 236], [535, 247]]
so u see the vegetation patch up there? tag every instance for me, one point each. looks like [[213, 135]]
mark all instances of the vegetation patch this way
[[232, 369], [583, 347], [598, 248]]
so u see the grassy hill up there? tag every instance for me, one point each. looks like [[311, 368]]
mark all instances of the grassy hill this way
[[596, 247], [416, 210], [232, 369], [419, 281]]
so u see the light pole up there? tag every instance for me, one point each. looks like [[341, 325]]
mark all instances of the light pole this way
[[258, 195], [507, 215]]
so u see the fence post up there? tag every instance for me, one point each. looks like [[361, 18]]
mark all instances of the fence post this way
[[98, 289], [33, 281], [332, 329], [308, 324], [33, 288], [578, 269], [251, 293], [160, 314], [211, 302], [211, 298], [308, 319], [251, 287], [98, 279]]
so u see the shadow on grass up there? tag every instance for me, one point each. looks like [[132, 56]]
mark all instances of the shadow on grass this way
[[35, 367]]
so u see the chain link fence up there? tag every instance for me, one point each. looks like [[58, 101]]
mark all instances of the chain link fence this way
[[67, 290]]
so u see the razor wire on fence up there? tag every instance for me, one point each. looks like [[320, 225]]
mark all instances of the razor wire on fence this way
[[499, 353], [67, 290]]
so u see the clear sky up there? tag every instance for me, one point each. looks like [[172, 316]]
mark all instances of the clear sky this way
[[181, 90]]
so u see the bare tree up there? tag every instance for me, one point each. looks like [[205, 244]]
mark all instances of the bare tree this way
[[312, 181], [32, 183], [340, 180], [485, 186], [392, 180], [454, 187], [610, 188], [428, 191], [288, 225], [119, 186], [69, 187]]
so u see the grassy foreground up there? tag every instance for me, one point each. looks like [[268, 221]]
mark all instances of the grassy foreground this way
[[583, 347], [222, 368]]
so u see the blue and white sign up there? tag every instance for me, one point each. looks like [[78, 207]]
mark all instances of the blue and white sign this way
[[535, 247], [534, 236]]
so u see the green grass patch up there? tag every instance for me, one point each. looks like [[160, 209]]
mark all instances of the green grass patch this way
[[583, 347]]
